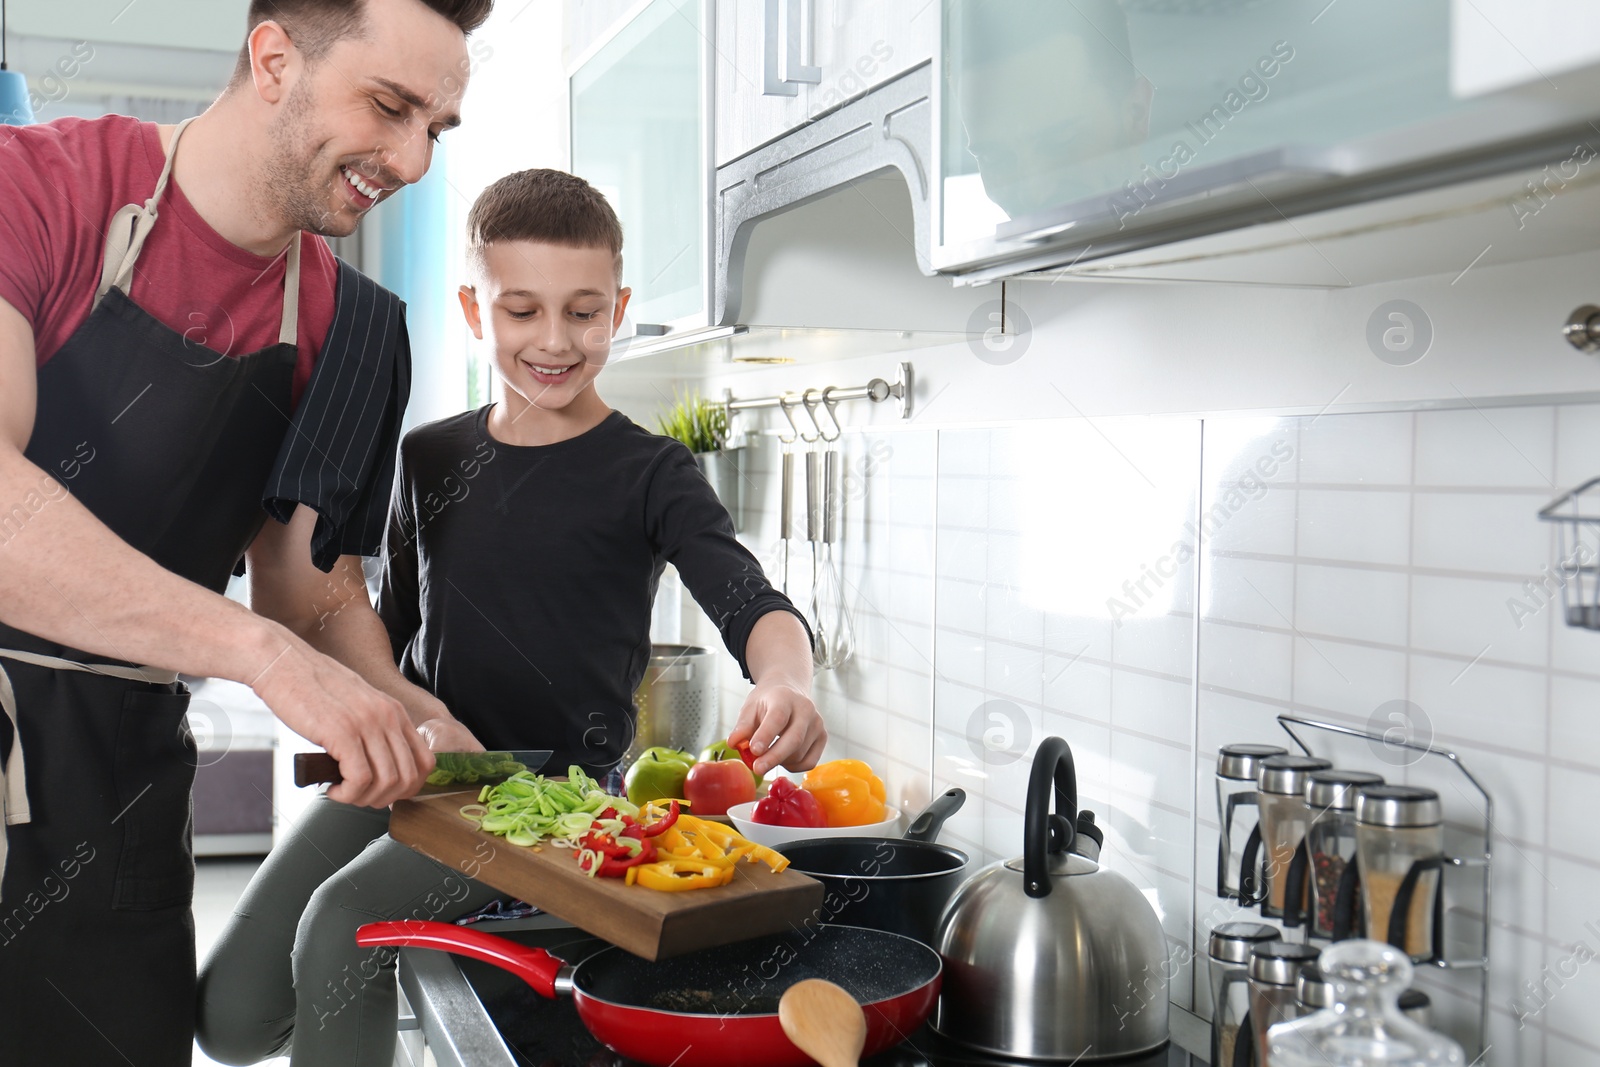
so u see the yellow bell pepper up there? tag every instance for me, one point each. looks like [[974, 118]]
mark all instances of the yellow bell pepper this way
[[849, 793]]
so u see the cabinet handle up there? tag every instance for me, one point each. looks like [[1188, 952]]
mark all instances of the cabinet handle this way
[[784, 70]]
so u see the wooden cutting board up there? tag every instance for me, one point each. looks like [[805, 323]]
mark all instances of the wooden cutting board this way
[[647, 922]]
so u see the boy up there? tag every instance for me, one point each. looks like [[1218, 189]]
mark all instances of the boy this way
[[524, 547]]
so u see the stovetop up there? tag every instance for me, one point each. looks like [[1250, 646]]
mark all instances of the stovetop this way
[[548, 1033]]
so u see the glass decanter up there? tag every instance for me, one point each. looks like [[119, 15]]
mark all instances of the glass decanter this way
[[1364, 1027]]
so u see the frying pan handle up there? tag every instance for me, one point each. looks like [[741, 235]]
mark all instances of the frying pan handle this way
[[533, 965], [926, 826], [1042, 832]]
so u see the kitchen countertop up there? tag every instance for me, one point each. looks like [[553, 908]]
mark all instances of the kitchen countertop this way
[[478, 1015]]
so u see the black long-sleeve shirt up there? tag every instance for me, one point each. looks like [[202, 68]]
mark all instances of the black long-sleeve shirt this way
[[518, 581]]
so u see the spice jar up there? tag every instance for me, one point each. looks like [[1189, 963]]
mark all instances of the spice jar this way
[[1417, 1006], [1274, 969], [1364, 1026], [1331, 845], [1237, 769], [1230, 983], [1314, 992], [1400, 846], [1281, 794]]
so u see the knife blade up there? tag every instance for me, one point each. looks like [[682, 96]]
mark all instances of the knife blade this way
[[455, 771]]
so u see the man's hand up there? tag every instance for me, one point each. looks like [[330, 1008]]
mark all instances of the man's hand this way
[[448, 735], [330, 616], [381, 757], [783, 727]]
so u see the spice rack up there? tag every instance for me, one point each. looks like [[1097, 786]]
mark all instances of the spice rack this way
[[1576, 570], [1481, 864]]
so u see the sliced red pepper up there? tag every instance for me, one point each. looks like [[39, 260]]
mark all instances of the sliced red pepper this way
[[749, 758], [613, 867], [605, 844], [663, 824]]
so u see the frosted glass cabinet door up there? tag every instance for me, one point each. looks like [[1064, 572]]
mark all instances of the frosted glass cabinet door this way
[[1105, 106], [638, 136]]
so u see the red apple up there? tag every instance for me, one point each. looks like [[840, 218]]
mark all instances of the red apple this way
[[712, 788]]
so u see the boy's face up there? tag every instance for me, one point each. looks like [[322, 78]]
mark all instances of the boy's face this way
[[548, 313]]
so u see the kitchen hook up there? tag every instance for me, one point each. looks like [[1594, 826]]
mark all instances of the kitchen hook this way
[[794, 431], [831, 405], [811, 412]]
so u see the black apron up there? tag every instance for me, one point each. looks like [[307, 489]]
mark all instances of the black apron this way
[[169, 444]]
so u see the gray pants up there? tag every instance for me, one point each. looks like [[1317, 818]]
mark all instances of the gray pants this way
[[287, 973]]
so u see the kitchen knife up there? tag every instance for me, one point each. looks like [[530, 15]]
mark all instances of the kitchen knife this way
[[455, 773]]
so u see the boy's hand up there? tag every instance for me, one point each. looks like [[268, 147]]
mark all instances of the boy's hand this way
[[448, 735], [783, 727]]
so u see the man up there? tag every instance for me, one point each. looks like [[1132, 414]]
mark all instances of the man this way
[[181, 360]]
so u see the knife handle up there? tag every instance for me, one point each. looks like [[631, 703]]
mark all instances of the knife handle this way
[[315, 768]]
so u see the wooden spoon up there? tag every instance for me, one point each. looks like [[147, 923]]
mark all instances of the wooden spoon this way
[[824, 1022]]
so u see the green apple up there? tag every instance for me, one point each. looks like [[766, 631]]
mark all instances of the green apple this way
[[721, 750], [658, 774]]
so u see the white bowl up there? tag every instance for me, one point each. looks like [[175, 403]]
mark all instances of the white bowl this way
[[774, 836]]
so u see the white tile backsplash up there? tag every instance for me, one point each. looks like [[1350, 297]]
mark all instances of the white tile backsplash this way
[[1379, 453], [1348, 564], [1333, 676], [1476, 446], [1484, 532], [1462, 615], [1350, 602], [1364, 527], [1575, 717], [1479, 702]]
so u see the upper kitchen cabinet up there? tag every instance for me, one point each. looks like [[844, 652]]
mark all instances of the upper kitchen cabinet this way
[[765, 258], [1099, 135], [782, 63], [639, 134]]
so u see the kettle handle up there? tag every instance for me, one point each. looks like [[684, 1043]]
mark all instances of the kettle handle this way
[[1042, 832]]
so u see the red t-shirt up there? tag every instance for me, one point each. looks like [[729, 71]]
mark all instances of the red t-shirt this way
[[60, 184]]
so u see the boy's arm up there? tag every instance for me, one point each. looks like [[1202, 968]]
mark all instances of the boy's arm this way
[[758, 624], [332, 613], [780, 708]]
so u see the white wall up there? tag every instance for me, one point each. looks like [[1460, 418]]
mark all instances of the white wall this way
[[987, 534]]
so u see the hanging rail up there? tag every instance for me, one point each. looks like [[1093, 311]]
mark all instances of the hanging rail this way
[[876, 391]]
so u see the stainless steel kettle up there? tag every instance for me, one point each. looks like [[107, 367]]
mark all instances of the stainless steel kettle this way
[[1050, 956]]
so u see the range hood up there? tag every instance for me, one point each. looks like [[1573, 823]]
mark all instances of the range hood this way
[[832, 278], [821, 246]]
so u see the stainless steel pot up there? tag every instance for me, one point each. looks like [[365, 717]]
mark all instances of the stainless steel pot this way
[[1050, 956], [676, 701]]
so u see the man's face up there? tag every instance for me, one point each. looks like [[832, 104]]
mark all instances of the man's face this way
[[548, 313], [361, 121]]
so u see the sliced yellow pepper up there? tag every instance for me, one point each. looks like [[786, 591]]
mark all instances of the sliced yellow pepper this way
[[671, 879], [675, 859], [696, 854]]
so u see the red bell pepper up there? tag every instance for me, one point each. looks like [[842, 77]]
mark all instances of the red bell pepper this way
[[786, 805]]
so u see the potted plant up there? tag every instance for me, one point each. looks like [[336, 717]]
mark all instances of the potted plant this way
[[701, 425]]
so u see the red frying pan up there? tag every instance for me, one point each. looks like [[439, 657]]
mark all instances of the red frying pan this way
[[717, 1007]]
